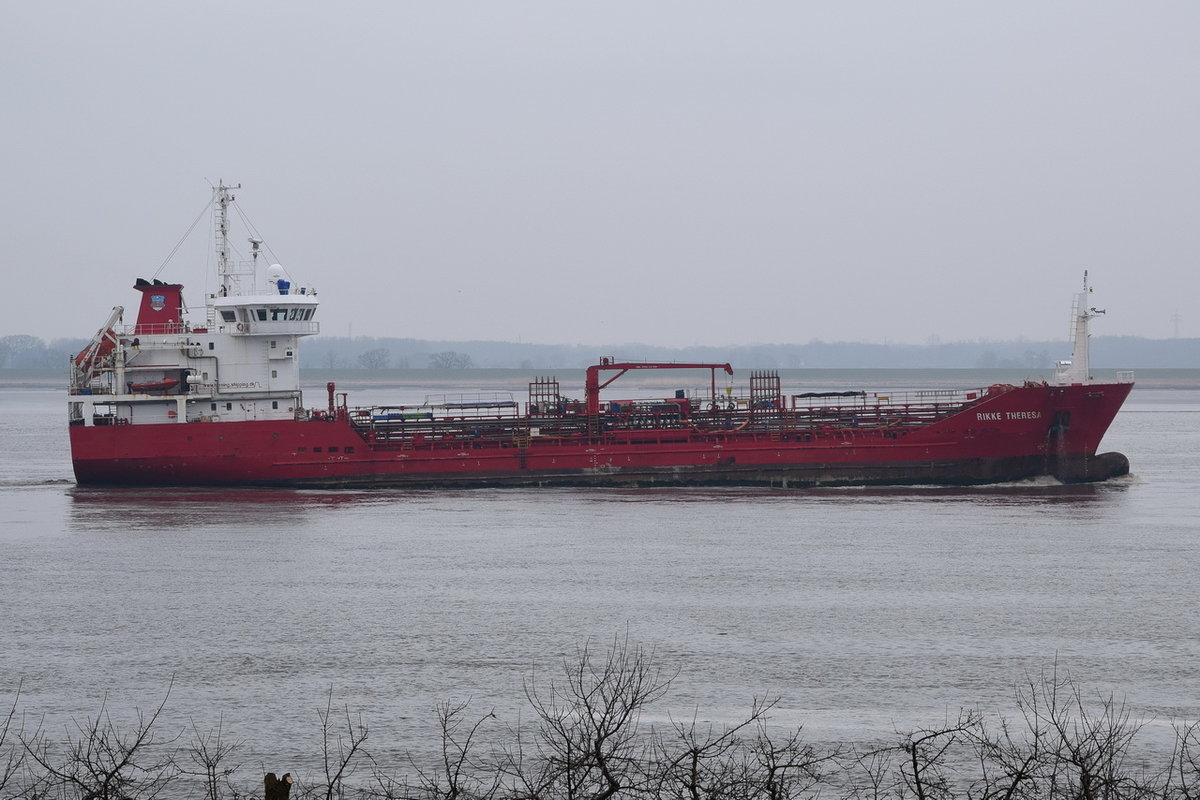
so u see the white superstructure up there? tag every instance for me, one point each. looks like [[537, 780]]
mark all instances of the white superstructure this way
[[241, 362]]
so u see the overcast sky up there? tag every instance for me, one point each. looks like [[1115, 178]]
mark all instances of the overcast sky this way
[[664, 172]]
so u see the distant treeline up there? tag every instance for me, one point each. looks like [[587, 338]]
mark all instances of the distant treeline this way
[[339, 352]]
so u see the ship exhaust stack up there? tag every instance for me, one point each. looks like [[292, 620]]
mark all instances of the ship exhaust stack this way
[[161, 310]]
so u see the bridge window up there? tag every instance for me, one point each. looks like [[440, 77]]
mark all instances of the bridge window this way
[[228, 315]]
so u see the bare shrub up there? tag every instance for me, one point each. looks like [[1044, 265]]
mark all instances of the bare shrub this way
[[12, 757], [208, 758], [341, 749], [102, 761], [588, 742]]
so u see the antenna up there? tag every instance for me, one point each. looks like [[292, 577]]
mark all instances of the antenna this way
[[222, 197]]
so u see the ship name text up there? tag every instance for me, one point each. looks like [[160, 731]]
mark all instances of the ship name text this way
[[998, 416]]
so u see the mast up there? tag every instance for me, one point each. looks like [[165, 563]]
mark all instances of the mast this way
[[1078, 370], [230, 278]]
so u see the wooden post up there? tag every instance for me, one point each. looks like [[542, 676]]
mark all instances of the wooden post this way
[[277, 788]]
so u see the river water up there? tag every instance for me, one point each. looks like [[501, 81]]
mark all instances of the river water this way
[[865, 611]]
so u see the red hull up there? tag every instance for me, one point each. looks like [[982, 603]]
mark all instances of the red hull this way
[[1019, 433]]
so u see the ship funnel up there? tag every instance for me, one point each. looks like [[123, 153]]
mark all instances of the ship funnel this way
[[161, 310]]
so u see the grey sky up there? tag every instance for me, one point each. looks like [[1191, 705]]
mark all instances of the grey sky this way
[[666, 172]]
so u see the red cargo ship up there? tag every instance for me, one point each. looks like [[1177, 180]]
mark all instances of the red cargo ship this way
[[217, 401]]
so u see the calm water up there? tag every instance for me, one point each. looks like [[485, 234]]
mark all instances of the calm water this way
[[863, 610]]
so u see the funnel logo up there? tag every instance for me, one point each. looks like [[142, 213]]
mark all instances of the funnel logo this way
[[158, 302]]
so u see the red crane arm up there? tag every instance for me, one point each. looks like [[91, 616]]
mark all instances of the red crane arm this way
[[592, 384]]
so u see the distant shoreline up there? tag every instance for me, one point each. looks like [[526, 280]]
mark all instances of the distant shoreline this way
[[1183, 379]]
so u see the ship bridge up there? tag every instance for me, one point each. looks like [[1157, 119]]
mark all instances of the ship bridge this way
[[282, 310], [266, 314]]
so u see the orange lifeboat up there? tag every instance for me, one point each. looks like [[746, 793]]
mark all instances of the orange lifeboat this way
[[152, 387]]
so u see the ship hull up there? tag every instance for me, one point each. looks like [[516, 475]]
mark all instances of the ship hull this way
[[218, 402], [1022, 433]]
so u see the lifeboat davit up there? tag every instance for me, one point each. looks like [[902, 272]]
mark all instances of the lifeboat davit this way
[[90, 358]]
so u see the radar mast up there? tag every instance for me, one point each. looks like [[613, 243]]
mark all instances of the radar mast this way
[[1078, 369], [230, 275]]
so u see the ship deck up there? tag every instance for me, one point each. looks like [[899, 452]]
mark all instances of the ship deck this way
[[502, 420]]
